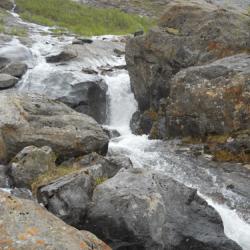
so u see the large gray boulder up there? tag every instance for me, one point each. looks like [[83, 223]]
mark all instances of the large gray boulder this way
[[32, 119], [7, 81], [24, 224], [190, 33], [69, 197], [30, 163], [84, 93], [140, 209]]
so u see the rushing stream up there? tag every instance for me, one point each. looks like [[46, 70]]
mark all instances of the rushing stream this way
[[151, 154]]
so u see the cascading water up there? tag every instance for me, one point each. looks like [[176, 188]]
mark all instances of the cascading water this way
[[151, 154]]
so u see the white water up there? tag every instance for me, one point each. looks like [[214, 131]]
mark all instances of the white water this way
[[143, 152]]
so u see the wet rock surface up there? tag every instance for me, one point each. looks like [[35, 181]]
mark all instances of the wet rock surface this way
[[17, 69], [30, 119], [138, 209], [7, 81], [29, 226]]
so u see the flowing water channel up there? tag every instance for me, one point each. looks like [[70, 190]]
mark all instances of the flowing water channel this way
[[144, 153]]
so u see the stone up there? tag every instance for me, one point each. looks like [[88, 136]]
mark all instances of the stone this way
[[30, 226], [15, 69], [63, 56], [31, 119], [82, 40], [140, 209], [7, 81], [6, 4], [5, 181], [30, 163]]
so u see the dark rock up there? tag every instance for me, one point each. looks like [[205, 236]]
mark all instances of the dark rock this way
[[7, 81], [138, 33], [119, 52], [5, 181], [140, 209], [70, 196], [89, 71], [112, 133], [30, 163], [82, 41], [4, 62], [15, 69], [31, 119], [61, 57], [6, 4], [39, 229], [23, 193]]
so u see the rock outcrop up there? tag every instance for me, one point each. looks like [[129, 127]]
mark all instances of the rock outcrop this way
[[26, 225], [191, 73], [140, 209], [31, 119]]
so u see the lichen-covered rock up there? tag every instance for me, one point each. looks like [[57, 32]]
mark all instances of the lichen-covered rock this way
[[26, 225], [30, 163], [210, 99], [140, 209], [32, 119], [190, 33]]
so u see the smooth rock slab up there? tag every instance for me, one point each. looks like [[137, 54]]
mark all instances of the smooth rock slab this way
[[26, 225], [140, 209], [31, 119]]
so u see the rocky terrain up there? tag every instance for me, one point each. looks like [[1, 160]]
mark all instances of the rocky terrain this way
[[192, 79], [73, 176]]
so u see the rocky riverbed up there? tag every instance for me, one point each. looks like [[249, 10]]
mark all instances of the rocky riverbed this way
[[71, 168]]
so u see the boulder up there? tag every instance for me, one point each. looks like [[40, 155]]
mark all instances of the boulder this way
[[7, 81], [82, 40], [210, 99], [140, 209], [84, 93], [30, 163], [15, 69], [26, 225], [63, 56], [190, 33], [31, 119], [4, 62], [70, 196]]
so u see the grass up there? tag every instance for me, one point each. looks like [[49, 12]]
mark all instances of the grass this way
[[81, 19]]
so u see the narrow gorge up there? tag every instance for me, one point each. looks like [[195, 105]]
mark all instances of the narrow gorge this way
[[127, 141]]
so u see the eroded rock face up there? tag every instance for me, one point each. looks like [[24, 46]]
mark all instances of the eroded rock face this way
[[140, 209], [189, 34], [29, 226], [31, 119], [30, 163]]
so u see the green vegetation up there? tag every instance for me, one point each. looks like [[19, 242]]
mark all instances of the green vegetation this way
[[100, 180], [81, 19]]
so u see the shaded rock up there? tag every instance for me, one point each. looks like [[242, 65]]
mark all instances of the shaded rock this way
[[30, 163], [82, 40], [68, 197], [210, 99], [89, 71], [119, 52], [84, 93], [15, 69], [23, 193], [32, 119], [5, 181], [138, 33], [38, 229], [140, 209], [7, 81], [63, 56], [189, 34], [112, 133]]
